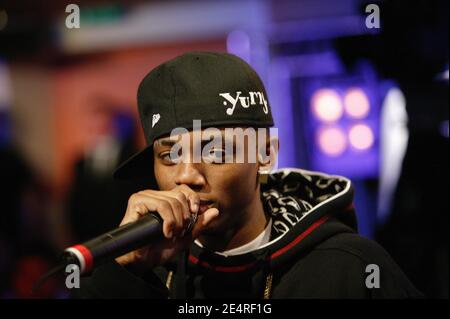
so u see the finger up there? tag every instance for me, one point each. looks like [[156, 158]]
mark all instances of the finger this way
[[178, 212], [192, 197], [203, 221], [180, 196], [139, 202], [182, 199], [133, 211]]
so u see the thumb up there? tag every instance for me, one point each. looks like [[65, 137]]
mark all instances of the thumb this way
[[204, 220]]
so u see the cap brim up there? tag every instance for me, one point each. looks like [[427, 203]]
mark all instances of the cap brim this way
[[138, 166]]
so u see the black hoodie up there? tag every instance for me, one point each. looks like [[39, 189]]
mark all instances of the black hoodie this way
[[314, 252]]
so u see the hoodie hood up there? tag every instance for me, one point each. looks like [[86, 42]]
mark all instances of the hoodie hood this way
[[306, 208]]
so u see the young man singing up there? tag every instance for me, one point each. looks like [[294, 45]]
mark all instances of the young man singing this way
[[287, 233]]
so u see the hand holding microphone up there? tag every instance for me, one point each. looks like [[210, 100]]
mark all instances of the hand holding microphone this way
[[156, 226], [175, 207]]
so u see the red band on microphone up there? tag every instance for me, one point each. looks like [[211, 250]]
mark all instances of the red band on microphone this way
[[86, 253]]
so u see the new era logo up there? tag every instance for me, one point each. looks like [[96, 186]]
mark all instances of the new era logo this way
[[155, 119]]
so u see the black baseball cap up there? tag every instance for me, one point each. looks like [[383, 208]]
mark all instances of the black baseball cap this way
[[220, 89]]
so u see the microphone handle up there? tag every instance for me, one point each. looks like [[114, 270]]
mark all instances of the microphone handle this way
[[115, 243]]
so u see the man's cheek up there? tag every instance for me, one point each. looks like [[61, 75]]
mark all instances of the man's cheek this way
[[164, 181], [238, 195]]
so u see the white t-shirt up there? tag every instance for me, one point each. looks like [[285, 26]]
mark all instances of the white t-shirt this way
[[260, 240]]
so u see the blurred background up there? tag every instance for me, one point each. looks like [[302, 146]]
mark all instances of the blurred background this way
[[351, 95]]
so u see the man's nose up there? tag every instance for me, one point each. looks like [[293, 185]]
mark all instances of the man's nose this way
[[191, 175]]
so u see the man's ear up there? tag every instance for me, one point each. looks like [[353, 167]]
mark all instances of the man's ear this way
[[268, 155]]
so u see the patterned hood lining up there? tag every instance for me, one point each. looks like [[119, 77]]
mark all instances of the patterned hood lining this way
[[291, 194]]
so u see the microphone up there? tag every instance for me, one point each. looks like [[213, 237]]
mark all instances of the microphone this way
[[117, 242]]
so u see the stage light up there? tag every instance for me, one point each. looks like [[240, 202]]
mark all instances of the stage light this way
[[361, 137], [238, 43], [327, 105], [356, 103], [332, 141]]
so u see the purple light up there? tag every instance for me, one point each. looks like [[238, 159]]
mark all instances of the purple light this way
[[444, 129], [238, 43], [361, 137], [356, 103], [327, 105], [342, 119], [332, 140]]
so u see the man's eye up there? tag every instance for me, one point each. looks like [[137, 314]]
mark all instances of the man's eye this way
[[217, 156], [170, 157]]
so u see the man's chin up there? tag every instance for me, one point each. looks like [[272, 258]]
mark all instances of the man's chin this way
[[216, 227], [212, 229]]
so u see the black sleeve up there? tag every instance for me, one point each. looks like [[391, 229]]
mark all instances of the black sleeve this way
[[393, 283], [112, 281]]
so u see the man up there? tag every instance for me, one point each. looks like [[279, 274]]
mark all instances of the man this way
[[290, 234]]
